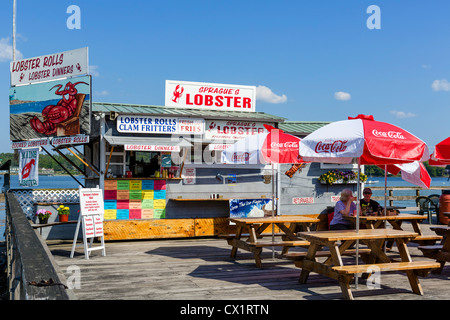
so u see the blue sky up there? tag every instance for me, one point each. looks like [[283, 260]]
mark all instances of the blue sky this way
[[315, 60]]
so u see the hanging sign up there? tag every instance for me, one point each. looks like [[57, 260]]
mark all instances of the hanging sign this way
[[81, 139], [49, 67], [143, 147], [30, 143], [232, 130], [49, 109], [210, 96], [90, 219], [28, 167], [164, 125]]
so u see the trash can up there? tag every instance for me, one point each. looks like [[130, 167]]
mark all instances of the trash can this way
[[444, 206]]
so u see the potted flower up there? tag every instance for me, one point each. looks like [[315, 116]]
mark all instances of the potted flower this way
[[341, 177], [43, 215], [63, 213]]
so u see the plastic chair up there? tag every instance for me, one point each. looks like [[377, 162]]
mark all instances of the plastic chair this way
[[424, 206], [434, 206]]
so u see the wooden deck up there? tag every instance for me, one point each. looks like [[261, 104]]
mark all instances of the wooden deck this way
[[201, 269]]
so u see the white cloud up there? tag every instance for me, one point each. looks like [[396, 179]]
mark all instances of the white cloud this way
[[402, 114], [6, 51], [426, 66], [340, 95], [266, 95], [93, 71], [440, 85], [101, 93]]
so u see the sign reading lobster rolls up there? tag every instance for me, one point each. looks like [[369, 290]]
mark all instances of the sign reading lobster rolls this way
[[47, 109], [49, 67], [210, 96]]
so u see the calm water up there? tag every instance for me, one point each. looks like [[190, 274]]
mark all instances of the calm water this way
[[45, 182], [52, 182]]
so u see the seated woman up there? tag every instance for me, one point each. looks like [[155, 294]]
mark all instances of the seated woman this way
[[343, 208]]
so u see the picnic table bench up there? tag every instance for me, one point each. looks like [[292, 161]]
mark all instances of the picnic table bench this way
[[255, 228], [440, 252], [334, 268]]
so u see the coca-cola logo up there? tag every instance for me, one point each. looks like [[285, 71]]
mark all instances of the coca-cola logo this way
[[388, 134], [332, 147], [289, 144], [238, 156]]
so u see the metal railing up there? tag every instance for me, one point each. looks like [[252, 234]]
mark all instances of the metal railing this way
[[31, 271]]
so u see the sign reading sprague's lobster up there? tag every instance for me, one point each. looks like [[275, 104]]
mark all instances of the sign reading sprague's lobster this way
[[210, 96]]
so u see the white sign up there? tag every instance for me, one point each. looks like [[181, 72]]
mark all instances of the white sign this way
[[218, 146], [164, 125], [232, 130], [49, 67], [91, 201], [189, 175], [303, 200], [210, 96], [28, 167], [30, 143], [141, 147], [91, 220], [57, 141]]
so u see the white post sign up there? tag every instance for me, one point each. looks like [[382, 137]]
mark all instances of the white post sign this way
[[91, 220]]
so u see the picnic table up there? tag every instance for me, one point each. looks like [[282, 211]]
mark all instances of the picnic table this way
[[333, 267], [440, 252], [252, 242], [374, 222]]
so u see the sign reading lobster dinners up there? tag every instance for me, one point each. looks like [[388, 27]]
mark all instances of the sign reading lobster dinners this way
[[210, 96], [50, 67], [47, 109]]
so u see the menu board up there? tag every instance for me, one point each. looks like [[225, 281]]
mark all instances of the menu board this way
[[135, 199]]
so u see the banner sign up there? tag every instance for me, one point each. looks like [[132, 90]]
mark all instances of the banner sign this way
[[164, 125], [28, 167], [50, 67], [251, 208], [55, 108], [210, 96], [141, 147], [30, 143], [56, 141], [232, 130]]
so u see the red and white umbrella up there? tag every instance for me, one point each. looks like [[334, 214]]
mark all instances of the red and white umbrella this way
[[441, 155], [273, 146], [414, 172], [372, 142]]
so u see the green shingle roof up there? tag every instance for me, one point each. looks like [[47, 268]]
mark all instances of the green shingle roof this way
[[122, 108], [301, 127]]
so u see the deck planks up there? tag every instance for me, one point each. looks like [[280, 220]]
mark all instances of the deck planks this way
[[201, 269]]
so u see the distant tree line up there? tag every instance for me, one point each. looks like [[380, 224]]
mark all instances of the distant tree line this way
[[375, 171], [45, 161]]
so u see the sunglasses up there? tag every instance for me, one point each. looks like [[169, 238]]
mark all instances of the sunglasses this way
[[367, 192]]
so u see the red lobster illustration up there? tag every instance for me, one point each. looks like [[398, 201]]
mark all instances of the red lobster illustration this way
[[58, 113], [27, 168], [177, 93]]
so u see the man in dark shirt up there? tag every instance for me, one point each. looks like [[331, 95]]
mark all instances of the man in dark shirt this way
[[369, 206]]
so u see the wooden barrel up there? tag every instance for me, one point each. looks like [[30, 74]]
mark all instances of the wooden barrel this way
[[444, 206]]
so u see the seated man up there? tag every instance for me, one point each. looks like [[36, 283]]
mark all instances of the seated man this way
[[369, 206]]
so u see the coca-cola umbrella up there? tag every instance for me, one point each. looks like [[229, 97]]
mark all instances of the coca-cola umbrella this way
[[441, 154], [369, 141], [271, 147]]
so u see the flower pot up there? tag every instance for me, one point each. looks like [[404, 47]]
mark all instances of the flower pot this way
[[43, 220], [63, 217]]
